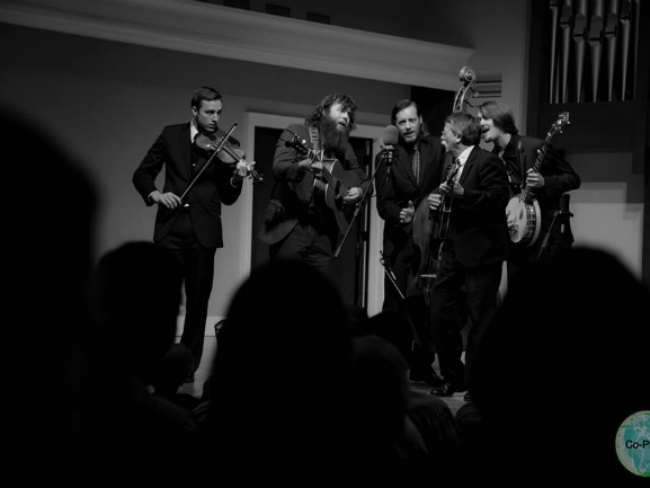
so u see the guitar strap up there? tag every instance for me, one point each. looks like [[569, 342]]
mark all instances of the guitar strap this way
[[520, 159], [314, 136], [516, 183]]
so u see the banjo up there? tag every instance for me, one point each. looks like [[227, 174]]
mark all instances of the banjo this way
[[523, 212]]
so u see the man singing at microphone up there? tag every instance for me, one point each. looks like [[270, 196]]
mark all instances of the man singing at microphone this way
[[410, 171]]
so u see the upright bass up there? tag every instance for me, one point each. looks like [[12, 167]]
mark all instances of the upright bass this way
[[431, 228]]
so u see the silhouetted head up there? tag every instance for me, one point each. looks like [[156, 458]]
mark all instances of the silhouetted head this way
[[381, 393], [172, 369], [139, 292], [566, 362], [281, 377]]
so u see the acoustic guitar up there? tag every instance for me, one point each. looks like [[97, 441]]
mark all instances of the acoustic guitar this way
[[331, 183]]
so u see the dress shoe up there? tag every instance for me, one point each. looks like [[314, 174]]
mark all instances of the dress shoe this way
[[444, 390], [447, 389], [427, 376]]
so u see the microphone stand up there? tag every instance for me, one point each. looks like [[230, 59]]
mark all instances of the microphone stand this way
[[561, 213], [390, 275], [384, 158]]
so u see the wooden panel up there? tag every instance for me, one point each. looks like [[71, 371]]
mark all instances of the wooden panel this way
[[593, 127]]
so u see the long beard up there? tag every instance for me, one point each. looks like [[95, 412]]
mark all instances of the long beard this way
[[334, 141]]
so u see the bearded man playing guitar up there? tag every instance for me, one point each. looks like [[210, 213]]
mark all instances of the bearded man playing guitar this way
[[303, 218], [554, 178]]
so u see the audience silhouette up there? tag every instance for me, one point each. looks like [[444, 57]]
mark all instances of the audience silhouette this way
[[137, 298], [384, 444], [49, 229], [577, 371], [428, 418], [281, 381], [171, 373]]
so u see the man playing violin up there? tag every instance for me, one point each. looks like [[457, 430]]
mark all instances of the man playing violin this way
[[473, 254], [296, 224], [402, 182], [191, 227]]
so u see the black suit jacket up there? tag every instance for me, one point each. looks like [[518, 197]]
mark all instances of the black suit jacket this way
[[479, 231], [396, 185], [172, 149]]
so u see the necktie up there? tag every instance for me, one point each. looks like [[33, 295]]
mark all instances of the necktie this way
[[459, 169], [415, 163]]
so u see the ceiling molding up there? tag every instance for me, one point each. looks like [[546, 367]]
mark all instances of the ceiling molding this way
[[214, 30]]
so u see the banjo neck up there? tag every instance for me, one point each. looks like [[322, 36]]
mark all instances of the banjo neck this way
[[562, 120], [541, 154]]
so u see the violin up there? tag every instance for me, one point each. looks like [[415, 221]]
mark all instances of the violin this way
[[230, 153]]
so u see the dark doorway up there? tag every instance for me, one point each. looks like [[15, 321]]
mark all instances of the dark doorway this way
[[350, 268], [435, 105]]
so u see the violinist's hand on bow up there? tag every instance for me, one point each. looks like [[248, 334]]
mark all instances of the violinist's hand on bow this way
[[167, 200], [534, 180], [353, 195], [406, 215]]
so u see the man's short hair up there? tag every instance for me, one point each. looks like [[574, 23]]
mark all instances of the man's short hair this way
[[466, 126], [204, 93]]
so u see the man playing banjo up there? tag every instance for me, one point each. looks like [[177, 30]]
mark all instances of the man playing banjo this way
[[541, 230]]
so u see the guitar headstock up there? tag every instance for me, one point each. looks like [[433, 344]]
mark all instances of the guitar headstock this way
[[297, 144], [562, 120]]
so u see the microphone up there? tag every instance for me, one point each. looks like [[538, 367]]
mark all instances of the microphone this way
[[390, 139]]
